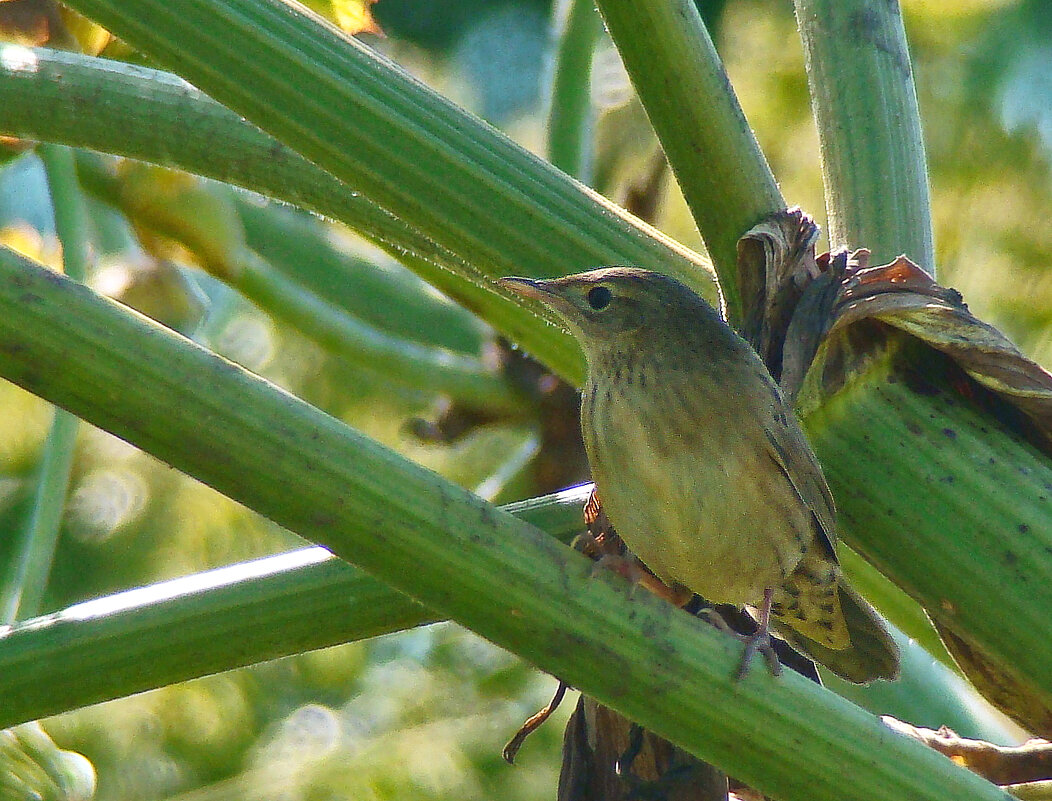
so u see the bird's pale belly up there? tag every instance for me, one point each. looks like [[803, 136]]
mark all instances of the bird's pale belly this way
[[699, 510]]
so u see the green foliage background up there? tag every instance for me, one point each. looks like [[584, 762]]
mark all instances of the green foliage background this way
[[423, 714]]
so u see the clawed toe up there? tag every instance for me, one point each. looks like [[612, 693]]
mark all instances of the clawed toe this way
[[760, 642], [757, 642]]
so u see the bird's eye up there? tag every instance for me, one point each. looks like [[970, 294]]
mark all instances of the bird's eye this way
[[599, 297]]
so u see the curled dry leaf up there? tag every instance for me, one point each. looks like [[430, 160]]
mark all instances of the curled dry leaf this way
[[805, 300], [902, 295]]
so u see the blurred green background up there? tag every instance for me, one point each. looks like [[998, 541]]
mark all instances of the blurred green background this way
[[425, 713]]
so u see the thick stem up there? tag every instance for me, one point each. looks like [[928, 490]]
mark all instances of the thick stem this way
[[714, 155], [237, 615], [865, 104]]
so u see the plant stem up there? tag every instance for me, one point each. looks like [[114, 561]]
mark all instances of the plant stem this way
[[947, 502], [865, 105], [707, 140], [218, 620], [204, 219], [371, 125], [155, 116], [22, 591], [570, 118]]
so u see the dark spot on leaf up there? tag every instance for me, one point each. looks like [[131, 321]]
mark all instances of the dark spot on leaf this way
[[949, 432]]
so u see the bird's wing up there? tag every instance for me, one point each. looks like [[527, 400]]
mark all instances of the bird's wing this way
[[791, 452]]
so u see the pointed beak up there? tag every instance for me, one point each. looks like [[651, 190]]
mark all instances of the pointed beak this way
[[557, 309], [528, 288]]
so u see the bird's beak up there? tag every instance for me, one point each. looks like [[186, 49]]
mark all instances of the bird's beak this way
[[528, 288], [558, 309]]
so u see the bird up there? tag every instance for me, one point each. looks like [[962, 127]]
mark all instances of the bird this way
[[703, 469]]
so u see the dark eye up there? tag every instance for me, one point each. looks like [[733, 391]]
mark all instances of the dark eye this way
[[599, 297]]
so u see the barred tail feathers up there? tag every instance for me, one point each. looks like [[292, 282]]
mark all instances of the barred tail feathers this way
[[872, 653]]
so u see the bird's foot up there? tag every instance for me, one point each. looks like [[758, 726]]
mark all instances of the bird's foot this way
[[757, 642], [636, 572]]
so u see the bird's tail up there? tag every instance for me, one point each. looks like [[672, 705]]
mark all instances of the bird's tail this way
[[872, 653]]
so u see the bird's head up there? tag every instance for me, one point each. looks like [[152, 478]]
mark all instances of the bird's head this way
[[610, 306]]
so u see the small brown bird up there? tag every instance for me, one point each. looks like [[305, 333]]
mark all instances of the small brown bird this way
[[702, 467]]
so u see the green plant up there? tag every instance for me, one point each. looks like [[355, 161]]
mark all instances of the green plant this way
[[461, 205]]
